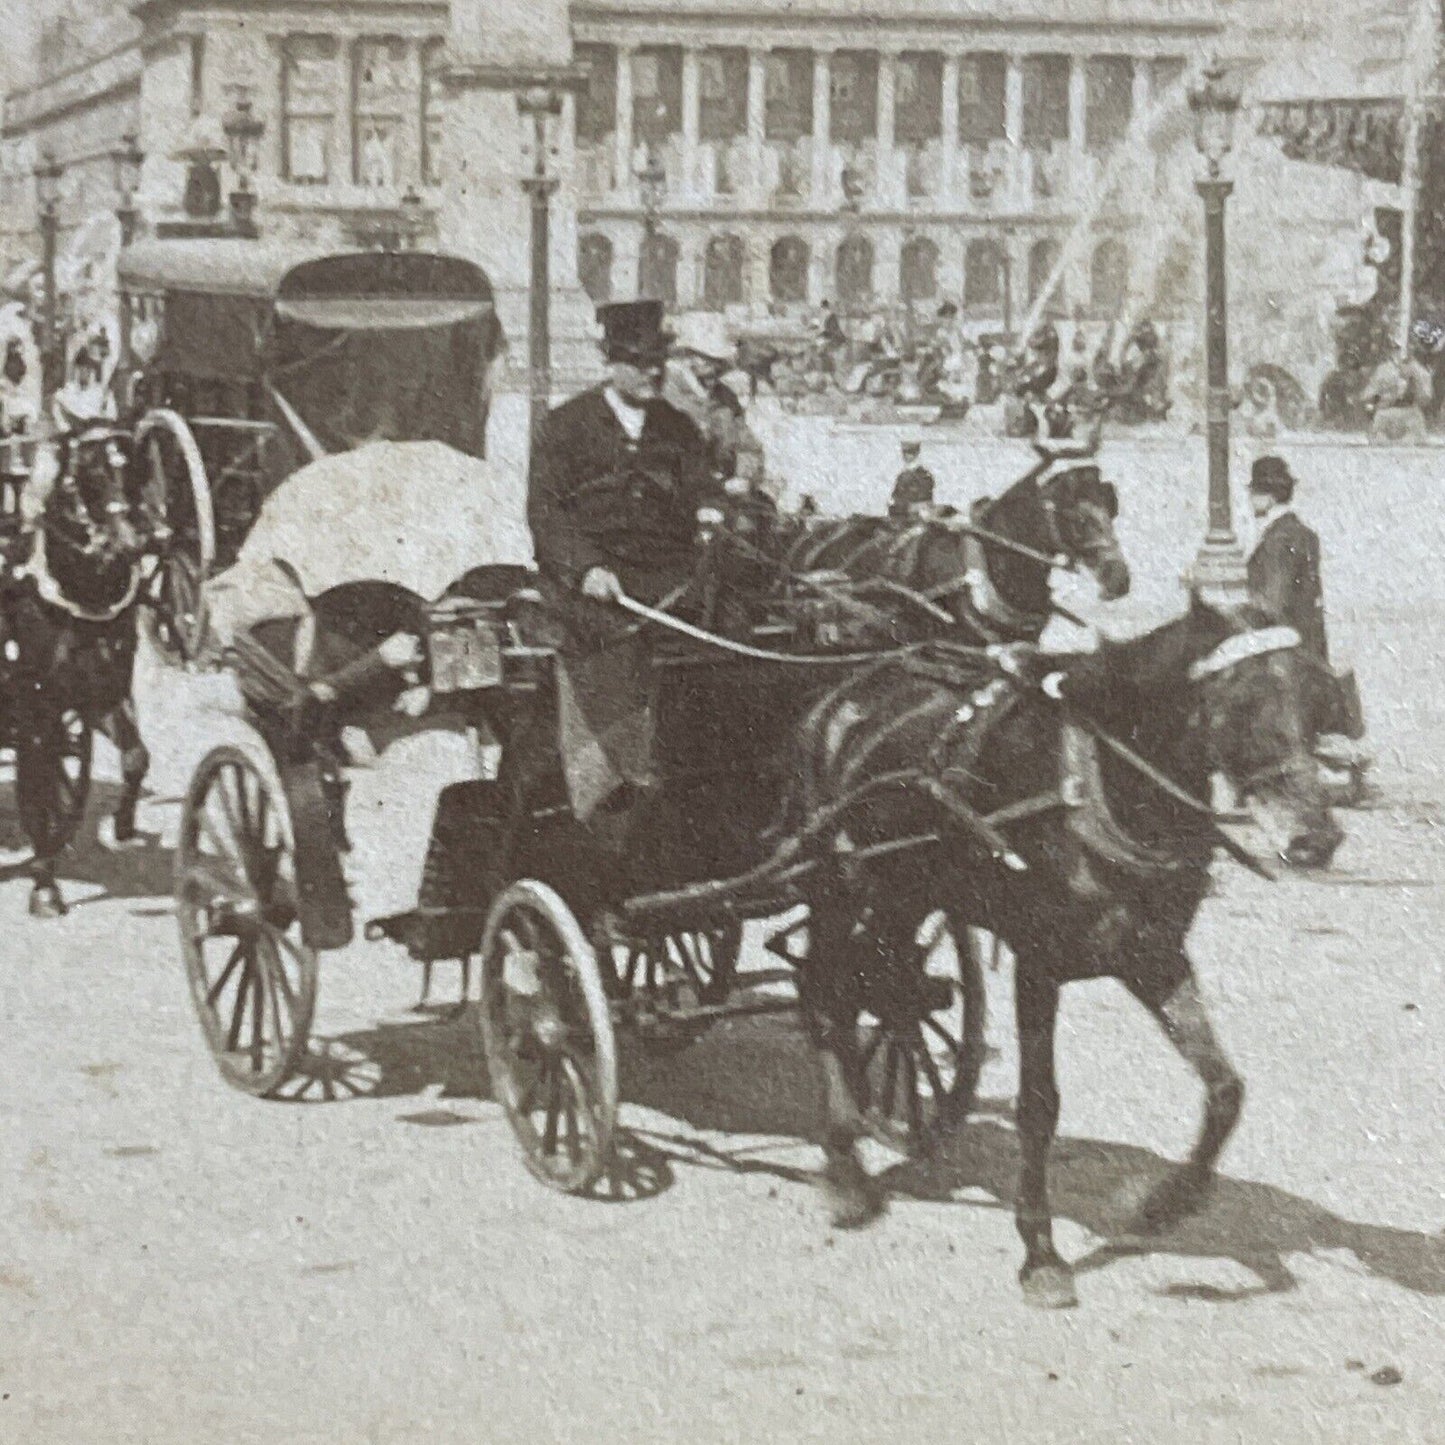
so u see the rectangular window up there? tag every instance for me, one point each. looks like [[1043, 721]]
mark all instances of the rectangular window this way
[[309, 101], [1046, 99], [381, 101], [433, 110], [1108, 100], [1164, 75], [597, 104], [198, 74], [723, 99], [854, 109], [918, 96], [657, 93], [982, 87], [789, 95]]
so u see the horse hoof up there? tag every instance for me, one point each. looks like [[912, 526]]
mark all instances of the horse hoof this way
[[115, 835], [1049, 1286], [1185, 1192], [46, 902], [854, 1198]]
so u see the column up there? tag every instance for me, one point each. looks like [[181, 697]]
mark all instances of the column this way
[[885, 188], [757, 128], [623, 182], [1079, 167], [887, 264], [1016, 185], [691, 123], [823, 129], [948, 141]]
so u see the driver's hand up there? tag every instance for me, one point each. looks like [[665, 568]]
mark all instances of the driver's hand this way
[[601, 585]]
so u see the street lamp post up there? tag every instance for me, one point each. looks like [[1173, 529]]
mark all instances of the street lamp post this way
[[244, 129], [48, 172], [652, 188], [1219, 574], [127, 161], [539, 103]]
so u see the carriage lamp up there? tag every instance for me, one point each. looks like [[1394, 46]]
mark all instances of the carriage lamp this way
[[1219, 573], [244, 129], [1214, 103], [48, 173], [126, 161]]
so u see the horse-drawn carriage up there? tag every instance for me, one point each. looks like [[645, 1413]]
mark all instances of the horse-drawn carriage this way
[[248, 360]]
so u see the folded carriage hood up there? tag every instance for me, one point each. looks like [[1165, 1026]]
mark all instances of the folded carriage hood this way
[[419, 514]]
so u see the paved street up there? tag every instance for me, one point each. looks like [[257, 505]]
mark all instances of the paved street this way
[[184, 1264]]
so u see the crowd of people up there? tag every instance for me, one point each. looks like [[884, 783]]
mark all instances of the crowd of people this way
[[1041, 385]]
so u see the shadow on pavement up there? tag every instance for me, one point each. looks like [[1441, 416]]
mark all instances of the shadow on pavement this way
[[1096, 1183]]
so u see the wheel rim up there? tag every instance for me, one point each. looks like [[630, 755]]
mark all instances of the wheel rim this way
[[921, 1052], [252, 977], [548, 1038]]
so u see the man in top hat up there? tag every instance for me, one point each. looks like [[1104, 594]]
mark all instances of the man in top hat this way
[[914, 485], [616, 481]]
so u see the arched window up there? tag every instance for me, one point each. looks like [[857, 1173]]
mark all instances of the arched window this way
[[788, 271], [657, 269], [594, 266], [722, 273], [918, 270], [1109, 279], [983, 278], [855, 274], [1043, 259]]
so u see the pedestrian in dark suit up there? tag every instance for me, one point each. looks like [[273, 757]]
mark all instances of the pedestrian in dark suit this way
[[914, 485], [1284, 577], [616, 481]]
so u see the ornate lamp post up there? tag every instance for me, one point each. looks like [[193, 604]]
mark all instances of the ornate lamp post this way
[[1219, 573], [541, 104], [48, 172], [652, 190], [244, 129], [127, 160]]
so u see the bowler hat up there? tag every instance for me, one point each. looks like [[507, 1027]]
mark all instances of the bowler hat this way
[[1272, 475], [633, 331]]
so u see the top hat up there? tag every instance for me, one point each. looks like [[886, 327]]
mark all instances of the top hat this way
[[633, 331], [1272, 475]]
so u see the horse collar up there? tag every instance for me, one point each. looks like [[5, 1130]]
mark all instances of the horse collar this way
[[38, 569]]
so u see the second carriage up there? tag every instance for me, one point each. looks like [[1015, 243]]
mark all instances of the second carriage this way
[[245, 360]]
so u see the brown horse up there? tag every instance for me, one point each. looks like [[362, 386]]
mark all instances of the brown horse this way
[[1069, 824], [989, 575]]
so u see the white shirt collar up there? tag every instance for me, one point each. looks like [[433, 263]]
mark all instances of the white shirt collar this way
[[630, 417], [1264, 523]]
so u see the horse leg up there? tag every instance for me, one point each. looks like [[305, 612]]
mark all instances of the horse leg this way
[[1048, 1282], [37, 749], [1181, 1013], [827, 995], [120, 726]]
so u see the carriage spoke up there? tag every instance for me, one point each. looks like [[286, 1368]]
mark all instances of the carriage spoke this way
[[258, 1016], [243, 994], [930, 1069], [219, 987], [554, 1106]]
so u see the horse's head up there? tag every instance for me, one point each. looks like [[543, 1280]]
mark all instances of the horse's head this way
[[1083, 508], [91, 505], [1253, 709]]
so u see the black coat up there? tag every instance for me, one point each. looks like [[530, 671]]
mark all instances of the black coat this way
[[595, 498], [1284, 579]]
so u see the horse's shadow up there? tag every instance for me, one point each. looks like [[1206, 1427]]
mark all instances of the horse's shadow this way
[[754, 1079], [1098, 1183]]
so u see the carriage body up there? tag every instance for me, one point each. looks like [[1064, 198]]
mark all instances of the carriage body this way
[[247, 360]]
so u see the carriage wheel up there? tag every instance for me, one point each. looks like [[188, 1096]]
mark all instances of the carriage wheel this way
[[253, 979], [922, 1047], [703, 959], [548, 1036], [176, 493]]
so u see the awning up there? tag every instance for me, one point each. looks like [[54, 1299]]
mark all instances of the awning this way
[[1361, 134], [220, 266]]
